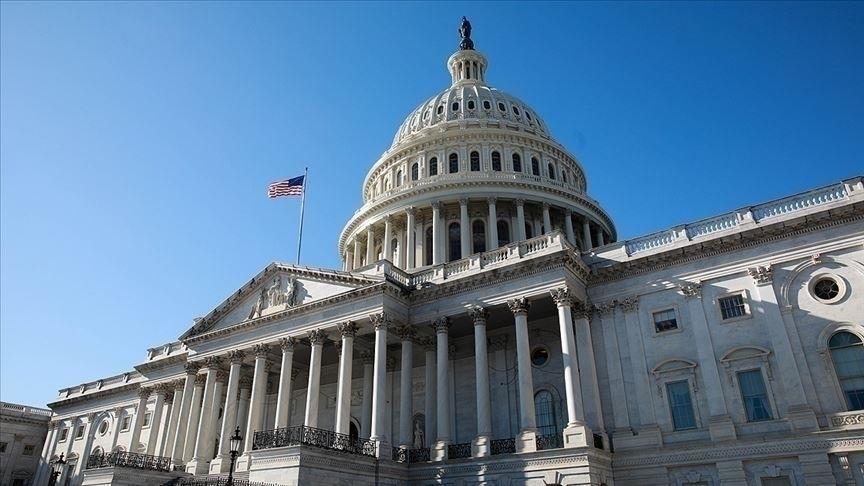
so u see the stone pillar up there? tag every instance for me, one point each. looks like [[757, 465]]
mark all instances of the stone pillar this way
[[600, 239], [167, 446], [719, 423], [204, 440], [283, 400], [816, 468], [586, 235], [406, 412], [89, 433], [178, 446], [70, 441], [588, 368], [118, 422], [243, 405], [357, 255], [380, 322], [568, 226], [528, 427], [442, 326], [138, 421], [229, 413], [798, 412], [547, 221], [437, 254], [480, 444], [410, 244], [430, 401], [465, 228], [45, 457], [343, 391], [648, 433], [194, 419], [575, 433], [156, 419], [387, 247], [366, 413], [492, 234], [613, 353], [370, 245], [316, 339], [520, 220], [256, 402], [732, 473]]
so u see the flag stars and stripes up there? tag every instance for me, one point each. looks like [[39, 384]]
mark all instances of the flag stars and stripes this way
[[290, 187]]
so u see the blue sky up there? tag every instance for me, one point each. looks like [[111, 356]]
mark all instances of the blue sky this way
[[137, 139]]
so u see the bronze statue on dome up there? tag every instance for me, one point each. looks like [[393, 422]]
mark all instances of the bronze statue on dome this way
[[465, 33]]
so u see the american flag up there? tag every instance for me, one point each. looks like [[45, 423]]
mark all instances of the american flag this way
[[290, 187]]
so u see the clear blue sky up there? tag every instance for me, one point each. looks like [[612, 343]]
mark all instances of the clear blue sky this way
[[138, 138]]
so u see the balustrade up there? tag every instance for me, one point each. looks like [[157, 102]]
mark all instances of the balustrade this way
[[503, 446], [459, 451], [130, 460], [311, 436], [549, 441]]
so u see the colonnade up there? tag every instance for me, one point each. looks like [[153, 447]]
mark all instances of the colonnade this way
[[407, 228]]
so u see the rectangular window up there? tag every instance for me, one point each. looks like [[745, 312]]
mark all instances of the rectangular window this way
[[681, 405], [665, 320], [732, 306], [64, 433], [754, 395], [147, 418], [79, 432], [28, 450], [3, 447], [125, 425]]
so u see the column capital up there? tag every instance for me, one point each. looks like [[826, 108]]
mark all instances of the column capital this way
[[391, 363], [169, 396], [520, 202], [441, 325], [436, 205], [212, 362], [762, 275], [221, 376], [630, 304], [411, 210], [347, 329], [568, 212], [261, 350], [380, 320], [497, 343], [192, 367], [164, 388], [287, 344], [338, 346], [463, 201], [692, 290], [519, 306], [245, 382], [294, 373], [605, 308], [428, 343], [478, 315], [235, 356], [316, 337], [200, 379], [406, 333], [144, 393], [91, 417], [491, 200], [367, 357], [561, 296], [118, 411], [582, 310], [546, 205]]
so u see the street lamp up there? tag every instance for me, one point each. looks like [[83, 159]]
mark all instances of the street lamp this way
[[57, 468], [236, 440]]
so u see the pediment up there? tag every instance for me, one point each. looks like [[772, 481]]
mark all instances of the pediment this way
[[277, 288]]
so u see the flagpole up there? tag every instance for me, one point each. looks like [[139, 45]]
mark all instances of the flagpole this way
[[302, 205]]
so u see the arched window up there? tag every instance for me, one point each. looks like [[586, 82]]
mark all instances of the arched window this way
[[454, 163], [415, 172], [353, 433], [517, 163], [535, 166], [544, 405], [551, 169], [564, 176], [503, 232], [847, 353], [453, 236], [529, 231], [496, 161], [478, 236], [394, 250], [398, 178], [97, 451], [433, 166], [427, 247], [475, 161]]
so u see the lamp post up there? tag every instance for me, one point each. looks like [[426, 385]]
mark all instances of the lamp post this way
[[236, 440], [56, 469]]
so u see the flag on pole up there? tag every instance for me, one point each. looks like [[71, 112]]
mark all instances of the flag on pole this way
[[290, 187]]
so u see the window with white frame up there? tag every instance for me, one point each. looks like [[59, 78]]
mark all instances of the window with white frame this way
[[754, 395], [732, 306], [126, 423], [847, 354], [64, 434], [680, 405], [147, 418], [665, 320], [545, 409]]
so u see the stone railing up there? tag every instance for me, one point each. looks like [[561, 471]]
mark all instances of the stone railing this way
[[503, 446], [459, 451], [310, 436], [549, 441], [799, 202], [215, 481], [130, 460], [24, 409], [846, 420]]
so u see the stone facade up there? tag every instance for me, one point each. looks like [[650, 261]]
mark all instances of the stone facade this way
[[22, 437], [487, 327]]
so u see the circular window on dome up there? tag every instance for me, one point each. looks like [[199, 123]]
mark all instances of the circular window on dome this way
[[471, 104], [540, 356], [827, 289], [440, 109], [103, 427], [487, 105], [501, 106]]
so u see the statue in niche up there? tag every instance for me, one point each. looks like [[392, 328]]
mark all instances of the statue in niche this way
[[259, 305], [419, 435]]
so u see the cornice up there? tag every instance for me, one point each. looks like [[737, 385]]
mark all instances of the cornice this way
[[97, 394], [162, 363]]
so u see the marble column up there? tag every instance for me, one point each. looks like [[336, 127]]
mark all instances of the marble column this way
[[167, 446], [441, 327], [528, 427], [380, 321], [387, 247], [118, 422], [70, 441], [371, 257], [243, 405], [547, 220], [520, 220], [492, 240], [153, 437], [406, 432], [204, 439], [437, 254], [179, 443], [357, 255], [465, 228], [613, 354], [586, 235], [430, 400], [229, 413], [283, 400], [256, 402], [194, 419], [45, 457], [575, 433], [600, 239], [138, 421], [343, 388], [588, 367], [480, 444], [568, 226], [366, 412], [89, 434], [410, 244], [647, 433], [313, 391]]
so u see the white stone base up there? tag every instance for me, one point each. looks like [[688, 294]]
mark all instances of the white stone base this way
[[526, 441], [243, 462], [647, 437], [578, 436], [481, 447], [121, 476], [438, 451], [721, 428], [197, 466], [802, 418]]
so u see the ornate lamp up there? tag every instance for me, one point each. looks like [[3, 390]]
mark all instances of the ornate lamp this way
[[56, 470], [235, 442]]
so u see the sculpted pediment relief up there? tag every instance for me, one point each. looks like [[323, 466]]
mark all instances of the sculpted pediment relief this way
[[277, 288]]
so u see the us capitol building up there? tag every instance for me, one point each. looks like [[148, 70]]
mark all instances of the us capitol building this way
[[488, 327]]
